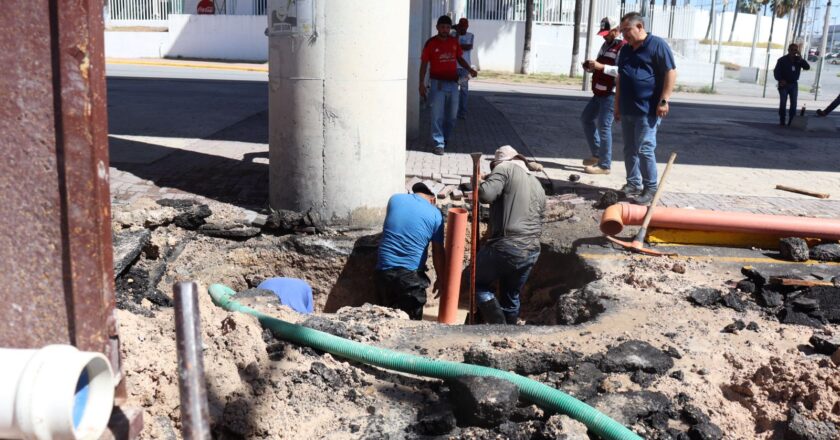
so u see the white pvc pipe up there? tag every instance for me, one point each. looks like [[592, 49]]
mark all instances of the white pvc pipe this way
[[54, 393]]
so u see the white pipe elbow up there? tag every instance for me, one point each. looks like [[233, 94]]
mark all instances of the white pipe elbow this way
[[54, 393]]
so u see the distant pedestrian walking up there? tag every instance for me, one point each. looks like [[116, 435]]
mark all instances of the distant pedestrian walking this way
[[830, 108], [441, 56], [646, 77], [465, 39], [786, 73], [597, 116]]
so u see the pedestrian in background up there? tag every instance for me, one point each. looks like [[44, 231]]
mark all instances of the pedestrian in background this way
[[465, 39], [786, 73], [441, 57]]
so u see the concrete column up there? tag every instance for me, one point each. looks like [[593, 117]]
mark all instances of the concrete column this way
[[417, 35], [337, 109]]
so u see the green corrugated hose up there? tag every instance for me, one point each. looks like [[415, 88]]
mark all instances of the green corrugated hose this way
[[536, 392]]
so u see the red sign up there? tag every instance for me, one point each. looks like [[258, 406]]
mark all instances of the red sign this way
[[206, 7]]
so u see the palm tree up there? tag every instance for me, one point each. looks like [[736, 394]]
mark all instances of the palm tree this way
[[576, 39], [711, 20], [747, 7], [529, 24]]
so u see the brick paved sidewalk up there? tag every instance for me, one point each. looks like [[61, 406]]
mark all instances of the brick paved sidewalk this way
[[488, 127]]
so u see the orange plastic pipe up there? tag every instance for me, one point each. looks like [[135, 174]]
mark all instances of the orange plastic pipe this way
[[456, 227], [617, 216]]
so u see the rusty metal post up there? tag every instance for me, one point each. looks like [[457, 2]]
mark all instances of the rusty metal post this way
[[55, 235], [195, 417], [476, 218]]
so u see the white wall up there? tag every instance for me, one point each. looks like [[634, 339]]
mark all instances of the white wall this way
[[135, 44], [229, 37], [744, 29], [498, 44]]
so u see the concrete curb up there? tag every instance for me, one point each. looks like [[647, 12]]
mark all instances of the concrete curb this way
[[189, 65]]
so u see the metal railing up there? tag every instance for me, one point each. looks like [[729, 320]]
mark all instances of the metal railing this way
[[142, 10], [562, 12], [156, 12]]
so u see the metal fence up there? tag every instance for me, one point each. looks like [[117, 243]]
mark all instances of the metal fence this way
[[562, 12], [156, 12], [142, 10]]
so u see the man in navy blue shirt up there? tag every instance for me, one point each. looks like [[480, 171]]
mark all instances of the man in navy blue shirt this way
[[411, 222], [786, 73], [646, 77]]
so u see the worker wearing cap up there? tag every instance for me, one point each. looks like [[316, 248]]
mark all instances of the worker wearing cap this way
[[442, 54], [411, 222], [517, 202], [597, 116]]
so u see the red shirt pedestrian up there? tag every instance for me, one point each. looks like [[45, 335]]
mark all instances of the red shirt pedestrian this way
[[442, 55]]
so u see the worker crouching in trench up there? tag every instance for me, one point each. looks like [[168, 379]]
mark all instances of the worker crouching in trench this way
[[517, 203]]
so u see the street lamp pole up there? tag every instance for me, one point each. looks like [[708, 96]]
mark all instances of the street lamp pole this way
[[720, 41], [823, 44]]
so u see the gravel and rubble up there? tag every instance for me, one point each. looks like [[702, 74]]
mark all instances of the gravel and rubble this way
[[639, 338]]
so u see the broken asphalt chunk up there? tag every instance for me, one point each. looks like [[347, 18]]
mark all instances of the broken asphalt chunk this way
[[482, 401], [826, 252], [793, 249], [705, 296], [635, 355]]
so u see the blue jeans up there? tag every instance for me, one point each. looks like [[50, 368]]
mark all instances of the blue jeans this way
[[509, 266], [791, 90], [639, 132], [464, 89], [443, 99], [597, 119]]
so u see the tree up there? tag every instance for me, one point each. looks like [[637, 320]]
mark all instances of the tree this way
[[576, 39], [711, 20], [747, 7], [529, 24]]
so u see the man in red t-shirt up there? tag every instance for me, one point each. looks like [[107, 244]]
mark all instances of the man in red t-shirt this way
[[442, 55]]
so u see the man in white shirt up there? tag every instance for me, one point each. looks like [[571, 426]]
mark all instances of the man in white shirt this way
[[466, 40]]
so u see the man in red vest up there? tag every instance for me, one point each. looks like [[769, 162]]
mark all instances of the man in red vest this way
[[441, 56], [597, 117]]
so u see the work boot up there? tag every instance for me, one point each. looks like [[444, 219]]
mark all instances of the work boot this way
[[644, 198], [593, 169], [511, 318], [629, 190], [591, 161], [820, 113], [491, 312], [438, 151]]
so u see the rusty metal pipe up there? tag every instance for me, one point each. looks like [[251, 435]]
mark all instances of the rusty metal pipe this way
[[195, 418], [456, 227], [476, 218], [622, 214]]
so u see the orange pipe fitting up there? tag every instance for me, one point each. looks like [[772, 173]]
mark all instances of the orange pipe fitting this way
[[617, 216], [456, 227]]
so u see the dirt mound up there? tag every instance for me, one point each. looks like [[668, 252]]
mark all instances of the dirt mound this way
[[810, 386]]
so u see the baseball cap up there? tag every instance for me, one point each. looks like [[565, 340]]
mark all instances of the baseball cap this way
[[444, 19], [607, 24]]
